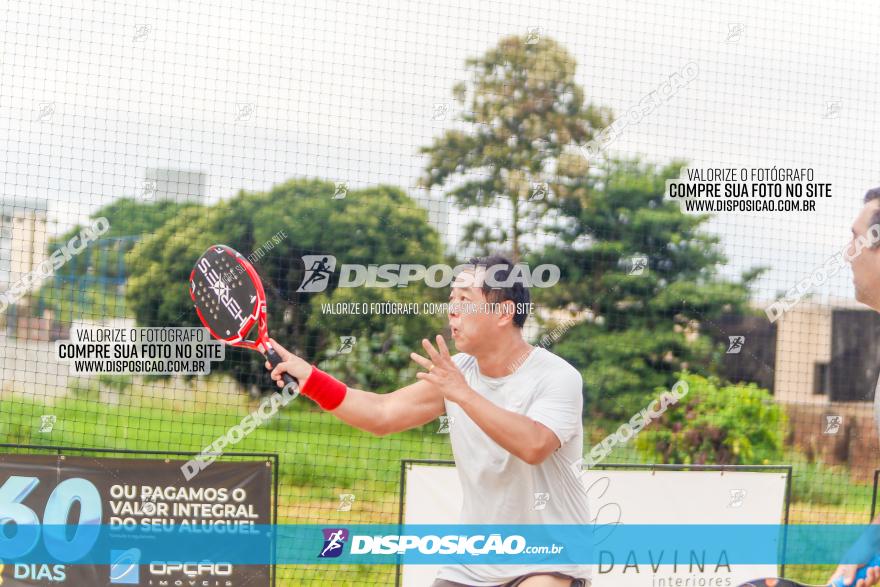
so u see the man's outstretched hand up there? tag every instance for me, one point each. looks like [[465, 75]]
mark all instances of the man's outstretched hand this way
[[848, 572], [442, 372]]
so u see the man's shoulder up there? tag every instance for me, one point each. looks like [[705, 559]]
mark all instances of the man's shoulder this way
[[555, 366], [463, 360]]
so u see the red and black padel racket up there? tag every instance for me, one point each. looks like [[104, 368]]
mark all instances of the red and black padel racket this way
[[229, 299]]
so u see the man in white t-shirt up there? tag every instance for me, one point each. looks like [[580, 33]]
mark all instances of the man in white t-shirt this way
[[514, 419]]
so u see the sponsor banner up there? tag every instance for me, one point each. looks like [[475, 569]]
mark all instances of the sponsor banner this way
[[92, 521], [619, 499]]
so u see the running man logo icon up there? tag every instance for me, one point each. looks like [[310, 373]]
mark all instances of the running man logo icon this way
[[334, 540], [47, 422], [340, 190], [541, 500], [345, 502], [735, 344], [638, 265], [737, 498], [319, 268], [346, 344], [833, 424], [446, 423]]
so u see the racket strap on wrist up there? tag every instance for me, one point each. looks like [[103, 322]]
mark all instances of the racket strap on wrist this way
[[325, 390]]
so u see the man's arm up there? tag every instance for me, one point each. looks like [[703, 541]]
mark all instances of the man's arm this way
[[521, 436], [387, 413], [379, 414]]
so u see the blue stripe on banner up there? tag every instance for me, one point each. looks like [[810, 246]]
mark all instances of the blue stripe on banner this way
[[709, 545]]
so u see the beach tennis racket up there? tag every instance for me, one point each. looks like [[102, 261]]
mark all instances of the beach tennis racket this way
[[773, 582], [230, 300]]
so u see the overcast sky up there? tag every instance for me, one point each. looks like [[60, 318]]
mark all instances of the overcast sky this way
[[90, 97]]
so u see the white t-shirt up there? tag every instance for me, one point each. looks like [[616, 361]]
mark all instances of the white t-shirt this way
[[499, 488]]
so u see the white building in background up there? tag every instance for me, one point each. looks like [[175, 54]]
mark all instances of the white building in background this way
[[23, 237], [176, 185]]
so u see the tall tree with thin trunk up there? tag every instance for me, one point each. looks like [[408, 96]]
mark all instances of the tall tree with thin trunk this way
[[520, 111]]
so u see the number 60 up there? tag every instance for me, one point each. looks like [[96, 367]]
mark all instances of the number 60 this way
[[27, 535]]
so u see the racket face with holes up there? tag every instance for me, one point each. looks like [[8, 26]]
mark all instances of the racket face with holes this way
[[229, 297]]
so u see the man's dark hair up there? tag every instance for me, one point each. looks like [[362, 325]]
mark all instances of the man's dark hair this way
[[870, 196], [516, 293]]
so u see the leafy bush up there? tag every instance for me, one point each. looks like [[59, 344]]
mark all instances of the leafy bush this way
[[717, 424]]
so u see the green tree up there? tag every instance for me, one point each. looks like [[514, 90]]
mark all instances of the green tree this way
[[641, 325], [522, 111], [370, 226]]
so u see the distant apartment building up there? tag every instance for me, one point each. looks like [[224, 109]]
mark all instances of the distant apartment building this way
[[23, 237], [175, 185]]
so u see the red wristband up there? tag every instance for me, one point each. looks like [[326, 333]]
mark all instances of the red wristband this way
[[327, 391]]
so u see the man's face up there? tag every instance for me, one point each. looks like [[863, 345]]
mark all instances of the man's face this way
[[865, 259], [473, 324]]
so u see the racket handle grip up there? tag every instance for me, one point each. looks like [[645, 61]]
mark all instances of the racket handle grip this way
[[274, 359], [863, 572]]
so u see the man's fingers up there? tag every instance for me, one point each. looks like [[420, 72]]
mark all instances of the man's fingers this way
[[283, 352], [278, 371], [429, 377], [429, 348], [421, 360], [444, 350]]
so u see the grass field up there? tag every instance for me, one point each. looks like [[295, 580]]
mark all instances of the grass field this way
[[321, 457]]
